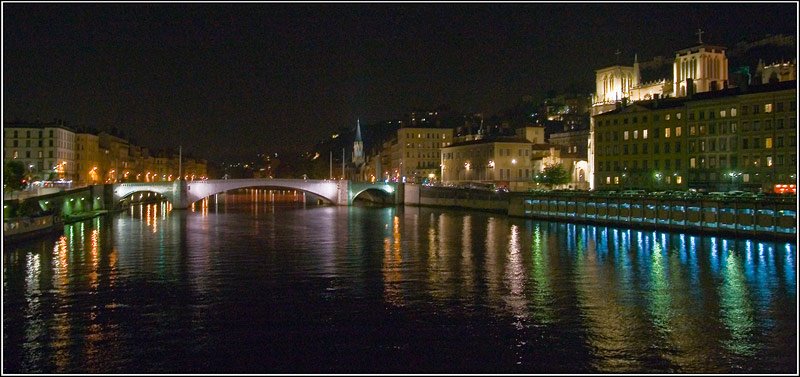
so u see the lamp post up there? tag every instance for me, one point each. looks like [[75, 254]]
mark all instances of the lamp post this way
[[734, 175], [658, 177]]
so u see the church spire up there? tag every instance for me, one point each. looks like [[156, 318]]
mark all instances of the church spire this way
[[636, 74], [358, 146]]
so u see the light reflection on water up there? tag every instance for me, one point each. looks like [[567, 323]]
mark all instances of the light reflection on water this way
[[245, 284]]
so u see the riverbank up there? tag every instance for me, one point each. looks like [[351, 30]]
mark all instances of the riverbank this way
[[738, 217], [26, 228]]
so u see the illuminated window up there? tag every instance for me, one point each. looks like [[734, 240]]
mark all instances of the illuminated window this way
[[16, 154], [769, 161], [625, 135], [692, 163], [644, 134], [616, 180], [733, 111], [677, 131], [608, 180], [666, 117], [723, 113], [666, 132], [768, 108], [679, 179], [678, 115], [636, 134], [768, 143]]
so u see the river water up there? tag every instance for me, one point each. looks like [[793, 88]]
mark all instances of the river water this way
[[249, 285]]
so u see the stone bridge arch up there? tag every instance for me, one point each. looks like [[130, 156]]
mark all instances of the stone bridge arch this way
[[123, 190], [331, 191], [182, 194], [391, 192]]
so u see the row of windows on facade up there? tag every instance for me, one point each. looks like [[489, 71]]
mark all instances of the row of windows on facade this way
[[67, 136], [695, 177], [689, 68], [425, 155], [40, 154], [61, 144], [667, 179], [427, 165], [704, 162], [701, 115], [427, 145], [721, 128], [504, 173], [487, 153], [711, 145], [427, 136]]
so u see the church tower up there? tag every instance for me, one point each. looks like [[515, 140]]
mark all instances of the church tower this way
[[358, 147], [698, 69]]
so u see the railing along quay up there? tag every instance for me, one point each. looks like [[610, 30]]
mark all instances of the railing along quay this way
[[747, 217]]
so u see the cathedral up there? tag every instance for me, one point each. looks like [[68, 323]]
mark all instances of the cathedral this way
[[696, 69]]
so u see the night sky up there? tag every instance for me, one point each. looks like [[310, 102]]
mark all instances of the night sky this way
[[228, 81]]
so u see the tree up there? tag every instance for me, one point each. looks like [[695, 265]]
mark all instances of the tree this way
[[552, 175], [13, 176]]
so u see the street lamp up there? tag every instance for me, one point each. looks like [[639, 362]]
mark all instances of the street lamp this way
[[734, 175]]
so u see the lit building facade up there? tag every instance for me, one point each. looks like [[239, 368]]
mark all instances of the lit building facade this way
[[419, 153], [715, 141], [87, 159], [114, 158], [777, 72], [47, 150], [573, 154], [503, 161], [698, 69]]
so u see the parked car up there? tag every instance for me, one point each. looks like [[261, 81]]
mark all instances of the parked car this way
[[633, 193]]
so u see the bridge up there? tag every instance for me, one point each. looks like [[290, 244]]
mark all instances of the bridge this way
[[183, 193]]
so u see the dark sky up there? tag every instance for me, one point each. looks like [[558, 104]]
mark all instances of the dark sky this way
[[232, 80]]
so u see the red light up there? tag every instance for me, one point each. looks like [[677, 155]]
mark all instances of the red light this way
[[785, 189]]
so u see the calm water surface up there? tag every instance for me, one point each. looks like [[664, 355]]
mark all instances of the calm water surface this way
[[244, 287]]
